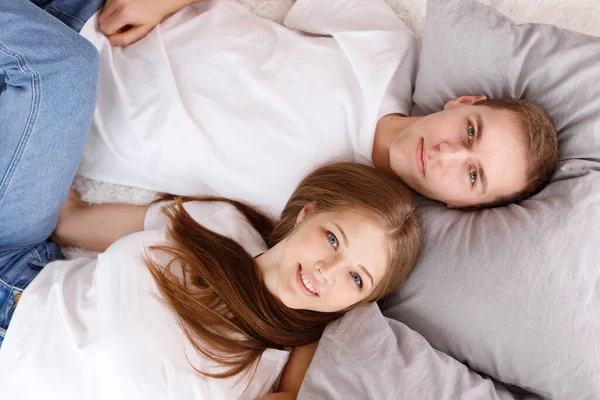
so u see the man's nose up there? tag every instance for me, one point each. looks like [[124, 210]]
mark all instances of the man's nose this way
[[452, 154]]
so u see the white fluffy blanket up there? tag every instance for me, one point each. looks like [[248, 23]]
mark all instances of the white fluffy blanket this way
[[578, 15]]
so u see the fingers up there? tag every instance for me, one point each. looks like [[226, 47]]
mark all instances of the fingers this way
[[130, 35], [109, 11], [126, 21], [114, 21]]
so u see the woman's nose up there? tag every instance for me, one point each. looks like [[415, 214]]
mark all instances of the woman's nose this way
[[326, 269]]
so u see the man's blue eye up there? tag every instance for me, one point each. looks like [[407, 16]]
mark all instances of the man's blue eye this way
[[471, 132], [332, 239], [473, 176], [357, 279]]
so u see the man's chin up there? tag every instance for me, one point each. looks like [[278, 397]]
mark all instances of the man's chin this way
[[422, 192], [473, 207]]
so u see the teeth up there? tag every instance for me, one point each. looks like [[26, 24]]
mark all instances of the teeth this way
[[307, 283]]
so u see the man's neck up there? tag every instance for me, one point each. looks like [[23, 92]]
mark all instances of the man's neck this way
[[387, 129]]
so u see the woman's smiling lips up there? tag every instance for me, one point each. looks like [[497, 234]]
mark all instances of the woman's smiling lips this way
[[420, 156], [306, 283]]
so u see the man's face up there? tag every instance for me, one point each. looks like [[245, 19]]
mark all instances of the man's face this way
[[463, 156]]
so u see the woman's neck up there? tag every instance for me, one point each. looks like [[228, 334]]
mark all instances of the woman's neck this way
[[267, 265]]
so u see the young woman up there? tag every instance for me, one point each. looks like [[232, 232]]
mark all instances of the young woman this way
[[210, 289]]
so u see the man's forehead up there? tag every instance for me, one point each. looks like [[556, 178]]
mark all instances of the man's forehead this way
[[505, 164], [504, 157]]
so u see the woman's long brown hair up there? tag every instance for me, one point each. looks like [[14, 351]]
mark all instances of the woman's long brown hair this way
[[223, 306]]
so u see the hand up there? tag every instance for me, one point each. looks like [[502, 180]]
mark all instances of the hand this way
[[127, 21], [69, 210]]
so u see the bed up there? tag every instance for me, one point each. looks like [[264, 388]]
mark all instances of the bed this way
[[520, 317]]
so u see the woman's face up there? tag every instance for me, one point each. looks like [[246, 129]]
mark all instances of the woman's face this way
[[331, 260]]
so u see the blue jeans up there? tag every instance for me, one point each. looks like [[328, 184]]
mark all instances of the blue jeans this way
[[74, 13], [48, 84]]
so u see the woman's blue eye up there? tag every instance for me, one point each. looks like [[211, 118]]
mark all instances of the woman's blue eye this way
[[471, 132], [473, 176], [357, 279], [332, 240]]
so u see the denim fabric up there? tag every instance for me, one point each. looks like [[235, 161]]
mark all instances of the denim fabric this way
[[46, 108], [17, 270], [74, 13]]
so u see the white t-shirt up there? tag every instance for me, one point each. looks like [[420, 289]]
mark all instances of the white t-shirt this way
[[217, 100], [98, 328]]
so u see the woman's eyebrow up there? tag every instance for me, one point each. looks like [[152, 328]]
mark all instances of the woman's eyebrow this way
[[362, 267], [346, 243]]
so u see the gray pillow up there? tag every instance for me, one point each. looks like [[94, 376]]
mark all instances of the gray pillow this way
[[366, 356], [514, 292]]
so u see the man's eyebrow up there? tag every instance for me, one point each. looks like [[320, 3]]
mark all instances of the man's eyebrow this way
[[479, 123], [346, 243], [483, 178], [479, 127]]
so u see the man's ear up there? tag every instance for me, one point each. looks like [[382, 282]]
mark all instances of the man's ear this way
[[462, 100], [306, 210]]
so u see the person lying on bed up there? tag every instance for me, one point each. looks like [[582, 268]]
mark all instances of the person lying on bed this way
[[199, 287], [208, 288], [220, 101]]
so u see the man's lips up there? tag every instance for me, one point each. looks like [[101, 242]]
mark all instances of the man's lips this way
[[424, 155], [420, 156]]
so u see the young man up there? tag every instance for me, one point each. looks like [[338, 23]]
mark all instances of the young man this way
[[219, 101], [475, 153]]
